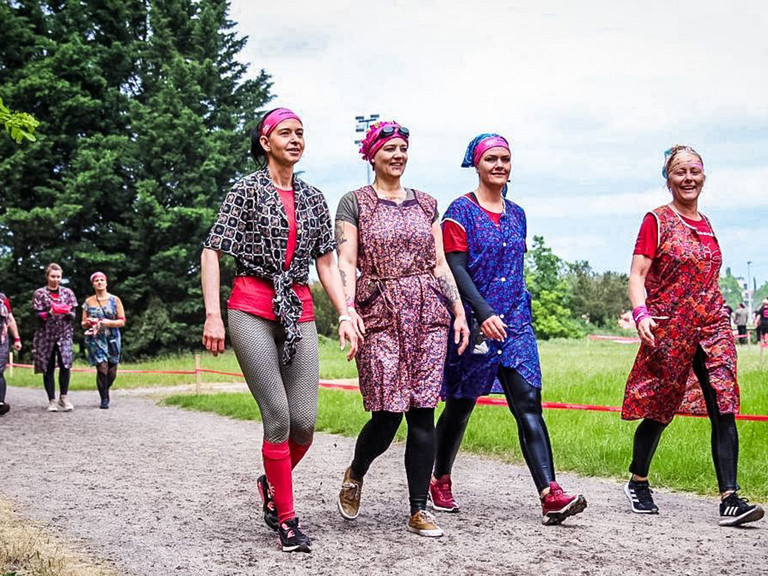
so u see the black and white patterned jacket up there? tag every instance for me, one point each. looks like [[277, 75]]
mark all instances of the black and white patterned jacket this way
[[253, 228]]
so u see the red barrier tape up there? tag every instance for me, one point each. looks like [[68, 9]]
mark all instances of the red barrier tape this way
[[617, 339], [484, 400]]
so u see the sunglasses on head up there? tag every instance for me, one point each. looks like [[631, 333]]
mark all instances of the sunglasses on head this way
[[388, 131]]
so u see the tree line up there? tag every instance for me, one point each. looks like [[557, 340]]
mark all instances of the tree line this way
[[143, 109]]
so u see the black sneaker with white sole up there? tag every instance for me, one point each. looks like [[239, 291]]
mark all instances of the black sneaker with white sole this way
[[640, 497], [268, 503], [292, 539], [735, 511]]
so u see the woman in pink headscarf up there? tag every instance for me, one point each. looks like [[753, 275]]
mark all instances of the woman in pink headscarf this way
[[402, 301], [274, 226]]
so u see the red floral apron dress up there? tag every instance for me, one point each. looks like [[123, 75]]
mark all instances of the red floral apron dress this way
[[685, 300]]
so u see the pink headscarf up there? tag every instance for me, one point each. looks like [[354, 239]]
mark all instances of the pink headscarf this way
[[275, 117], [96, 275], [374, 139], [485, 145]]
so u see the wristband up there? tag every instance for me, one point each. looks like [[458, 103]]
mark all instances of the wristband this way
[[345, 318], [639, 313], [17, 339]]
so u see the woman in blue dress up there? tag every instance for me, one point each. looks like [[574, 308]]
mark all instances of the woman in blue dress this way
[[484, 235], [103, 316]]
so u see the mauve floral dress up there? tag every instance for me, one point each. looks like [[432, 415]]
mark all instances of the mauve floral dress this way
[[400, 363]]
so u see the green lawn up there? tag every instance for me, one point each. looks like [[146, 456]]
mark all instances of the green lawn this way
[[575, 371], [590, 443]]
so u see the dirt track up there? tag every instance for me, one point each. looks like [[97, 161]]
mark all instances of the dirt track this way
[[161, 491]]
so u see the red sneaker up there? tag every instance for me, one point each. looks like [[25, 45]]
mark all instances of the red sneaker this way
[[556, 506], [441, 496]]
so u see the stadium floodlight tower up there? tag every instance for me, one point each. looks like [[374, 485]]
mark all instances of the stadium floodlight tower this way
[[362, 126]]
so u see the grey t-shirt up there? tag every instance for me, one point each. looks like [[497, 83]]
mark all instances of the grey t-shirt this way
[[349, 210]]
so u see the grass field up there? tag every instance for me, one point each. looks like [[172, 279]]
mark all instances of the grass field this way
[[589, 443], [575, 371]]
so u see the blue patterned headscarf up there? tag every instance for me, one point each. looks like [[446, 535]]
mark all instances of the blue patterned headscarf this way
[[469, 155]]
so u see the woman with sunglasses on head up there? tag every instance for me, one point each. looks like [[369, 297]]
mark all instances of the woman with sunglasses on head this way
[[485, 247], [401, 302], [103, 316], [687, 359], [55, 308], [275, 225]]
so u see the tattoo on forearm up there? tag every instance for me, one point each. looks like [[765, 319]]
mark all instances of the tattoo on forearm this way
[[343, 277], [340, 236], [448, 288]]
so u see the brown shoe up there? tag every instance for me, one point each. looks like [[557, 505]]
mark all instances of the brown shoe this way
[[423, 524], [349, 496]]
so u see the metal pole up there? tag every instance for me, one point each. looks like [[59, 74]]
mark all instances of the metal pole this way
[[197, 374], [362, 126]]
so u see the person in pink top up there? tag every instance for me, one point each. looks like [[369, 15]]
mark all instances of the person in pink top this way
[[275, 225], [687, 359]]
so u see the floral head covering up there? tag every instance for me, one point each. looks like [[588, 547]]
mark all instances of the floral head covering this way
[[378, 135], [670, 155]]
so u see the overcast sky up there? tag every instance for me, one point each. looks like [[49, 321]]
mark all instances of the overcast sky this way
[[589, 93]]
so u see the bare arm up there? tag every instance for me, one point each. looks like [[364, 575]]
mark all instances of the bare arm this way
[[13, 330], [330, 278], [637, 275], [346, 247], [448, 287], [213, 330]]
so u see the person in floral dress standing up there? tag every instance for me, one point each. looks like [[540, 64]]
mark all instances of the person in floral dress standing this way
[[402, 304], [687, 358], [55, 307]]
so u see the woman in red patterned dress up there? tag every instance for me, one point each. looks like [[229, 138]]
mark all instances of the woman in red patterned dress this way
[[687, 359], [401, 302]]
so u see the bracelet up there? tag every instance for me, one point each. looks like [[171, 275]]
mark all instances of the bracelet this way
[[639, 313], [17, 339], [345, 318]]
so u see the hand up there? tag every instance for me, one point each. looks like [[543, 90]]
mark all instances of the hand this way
[[17, 345], [461, 332], [213, 335], [645, 331], [494, 328], [347, 333], [357, 320]]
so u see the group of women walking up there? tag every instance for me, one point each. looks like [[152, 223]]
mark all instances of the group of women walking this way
[[55, 309], [437, 308]]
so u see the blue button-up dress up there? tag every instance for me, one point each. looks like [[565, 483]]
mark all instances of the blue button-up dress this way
[[495, 261]]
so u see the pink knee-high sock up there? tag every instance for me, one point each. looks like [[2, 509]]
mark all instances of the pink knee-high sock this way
[[277, 465], [297, 451]]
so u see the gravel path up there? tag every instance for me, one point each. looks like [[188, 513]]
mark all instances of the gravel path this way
[[162, 491]]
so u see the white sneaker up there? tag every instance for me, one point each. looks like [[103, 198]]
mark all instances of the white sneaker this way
[[52, 406], [65, 404]]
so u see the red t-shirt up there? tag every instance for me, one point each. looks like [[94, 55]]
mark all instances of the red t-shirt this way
[[7, 305], [254, 295], [455, 237]]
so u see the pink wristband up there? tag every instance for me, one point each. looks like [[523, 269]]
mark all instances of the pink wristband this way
[[639, 313]]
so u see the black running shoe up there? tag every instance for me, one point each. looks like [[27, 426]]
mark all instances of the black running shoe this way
[[639, 494], [735, 511], [4, 408], [270, 510], [292, 539]]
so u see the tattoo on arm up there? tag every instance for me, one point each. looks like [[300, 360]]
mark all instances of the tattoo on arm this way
[[340, 236], [448, 287], [343, 277]]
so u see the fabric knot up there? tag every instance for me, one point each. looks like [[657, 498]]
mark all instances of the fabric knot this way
[[288, 308]]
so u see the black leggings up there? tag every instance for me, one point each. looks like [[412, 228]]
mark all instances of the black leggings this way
[[106, 373], [377, 435], [725, 436], [524, 402], [49, 376], [3, 386]]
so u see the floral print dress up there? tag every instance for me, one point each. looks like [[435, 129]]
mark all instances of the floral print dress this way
[[495, 262], [400, 362], [106, 344], [54, 329], [685, 301]]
